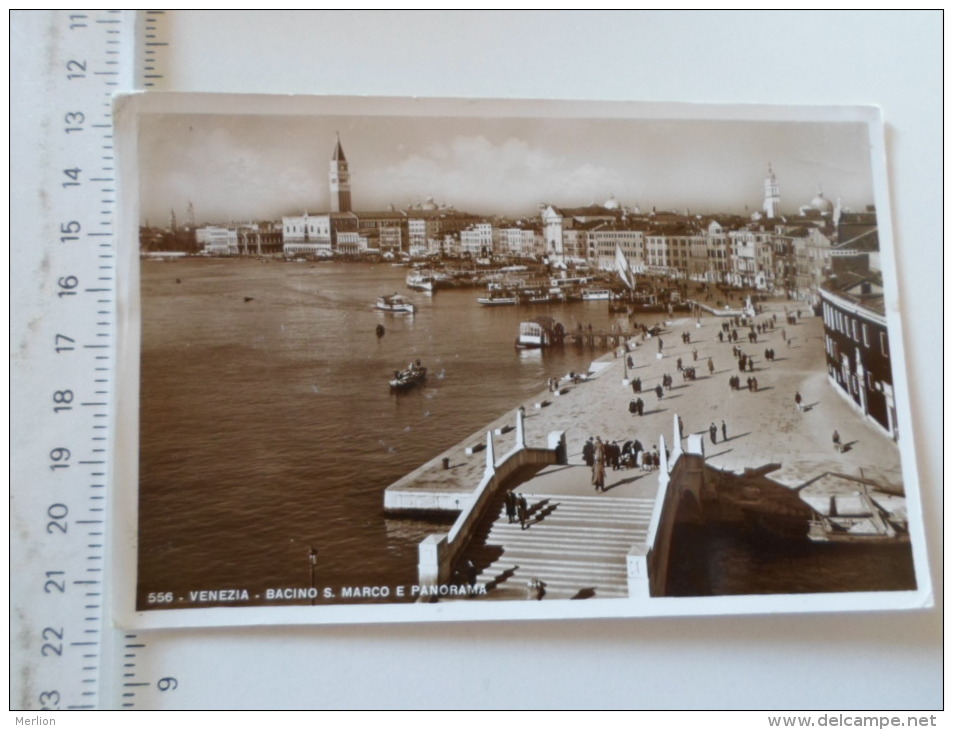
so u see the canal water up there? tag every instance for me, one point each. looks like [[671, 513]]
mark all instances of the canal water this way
[[268, 426], [268, 429]]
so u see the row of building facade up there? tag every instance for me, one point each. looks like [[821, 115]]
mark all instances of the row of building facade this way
[[793, 255]]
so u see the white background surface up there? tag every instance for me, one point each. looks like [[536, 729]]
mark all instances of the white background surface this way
[[857, 661]]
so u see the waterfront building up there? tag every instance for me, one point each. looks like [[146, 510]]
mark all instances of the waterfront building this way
[[428, 225], [307, 234], [603, 238], [857, 346], [477, 239], [519, 240], [259, 239], [557, 221], [217, 240]]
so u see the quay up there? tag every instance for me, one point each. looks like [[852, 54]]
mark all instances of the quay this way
[[580, 543]]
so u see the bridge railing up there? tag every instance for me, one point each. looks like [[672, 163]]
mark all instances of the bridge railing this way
[[438, 553]]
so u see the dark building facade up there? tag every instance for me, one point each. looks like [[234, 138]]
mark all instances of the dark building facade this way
[[857, 346]]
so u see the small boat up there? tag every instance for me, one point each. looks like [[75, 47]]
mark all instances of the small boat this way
[[865, 522], [421, 281], [412, 375], [394, 303], [539, 332]]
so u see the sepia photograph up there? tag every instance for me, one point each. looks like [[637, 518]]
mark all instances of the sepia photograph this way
[[403, 359]]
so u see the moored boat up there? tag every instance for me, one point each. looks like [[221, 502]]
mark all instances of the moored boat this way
[[539, 332], [395, 303], [497, 300], [421, 281], [590, 295]]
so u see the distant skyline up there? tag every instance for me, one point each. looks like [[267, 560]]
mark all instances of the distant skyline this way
[[239, 167]]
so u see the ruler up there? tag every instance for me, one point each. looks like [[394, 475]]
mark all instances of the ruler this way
[[64, 655]]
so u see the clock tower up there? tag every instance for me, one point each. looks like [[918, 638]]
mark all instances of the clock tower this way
[[340, 180]]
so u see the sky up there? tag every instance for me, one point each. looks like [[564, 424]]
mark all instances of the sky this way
[[240, 167]]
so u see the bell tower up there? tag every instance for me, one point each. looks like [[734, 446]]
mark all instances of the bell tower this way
[[340, 181], [772, 195]]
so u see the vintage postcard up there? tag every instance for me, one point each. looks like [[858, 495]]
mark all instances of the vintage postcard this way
[[413, 360]]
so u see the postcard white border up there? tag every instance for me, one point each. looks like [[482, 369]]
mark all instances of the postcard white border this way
[[123, 486]]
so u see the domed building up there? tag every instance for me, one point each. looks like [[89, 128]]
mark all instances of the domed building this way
[[819, 205], [611, 203]]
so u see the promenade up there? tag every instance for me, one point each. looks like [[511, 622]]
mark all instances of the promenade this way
[[576, 539]]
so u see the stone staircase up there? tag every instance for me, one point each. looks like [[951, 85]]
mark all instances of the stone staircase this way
[[575, 545]]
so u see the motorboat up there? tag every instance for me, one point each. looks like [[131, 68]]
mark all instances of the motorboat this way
[[395, 303]]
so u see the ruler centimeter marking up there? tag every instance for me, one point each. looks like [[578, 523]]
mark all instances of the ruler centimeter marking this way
[[62, 654]]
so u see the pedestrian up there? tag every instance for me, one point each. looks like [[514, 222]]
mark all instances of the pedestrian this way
[[797, 401], [599, 465], [641, 405], [471, 573], [838, 447], [678, 364], [510, 503], [713, 433], [522, 510], [750, 364], [658, 392], [695, 354], [681, 428], [638, 385], [711, 367], [636, 451], [721, 336], [613, 452], [659, 344], [754, 385], [724, 431], [588, 452]]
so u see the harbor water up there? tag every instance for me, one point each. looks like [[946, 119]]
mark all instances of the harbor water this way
[[268, 427]]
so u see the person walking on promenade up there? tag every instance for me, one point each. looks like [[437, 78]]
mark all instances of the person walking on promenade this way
[[797, 401], [637, 384], [640, 406], [678, 364], [838, 447], [588, 452], [660, 344], [599, 465], [711, 367], [510, 502], [658, 392], [713, 433], [522, 509], [681, 428], [724, 430], [754, 385]]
